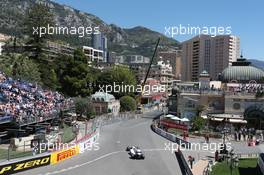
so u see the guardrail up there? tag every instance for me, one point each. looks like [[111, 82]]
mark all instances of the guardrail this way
[[261, 162], [171, 137], [45, 159], [185, 169], [23, 165]]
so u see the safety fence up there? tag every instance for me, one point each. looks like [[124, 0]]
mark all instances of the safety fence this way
[[108, 119], [51, 158]]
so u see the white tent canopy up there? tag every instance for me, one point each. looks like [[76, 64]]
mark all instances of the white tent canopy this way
[[176, 118], [185, 120], [173, 117], [169, 116]]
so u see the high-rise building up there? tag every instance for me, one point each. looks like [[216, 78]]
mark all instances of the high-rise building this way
[[99, 42], [174, 57], [205, 52]]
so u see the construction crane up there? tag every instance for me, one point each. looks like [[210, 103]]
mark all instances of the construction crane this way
[[147, 74]]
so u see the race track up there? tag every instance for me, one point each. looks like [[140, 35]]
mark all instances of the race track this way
[[112, 159]]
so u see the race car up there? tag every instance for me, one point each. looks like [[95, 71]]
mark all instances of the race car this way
[[131, 147], [135, 152]]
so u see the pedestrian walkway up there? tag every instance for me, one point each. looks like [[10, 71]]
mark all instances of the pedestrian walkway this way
[[199, 167]]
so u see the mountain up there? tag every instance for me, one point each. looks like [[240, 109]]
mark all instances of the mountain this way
[[257, 63], [137, 40]]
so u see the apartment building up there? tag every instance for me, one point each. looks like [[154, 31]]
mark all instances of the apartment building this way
[[134, 59], [93, 55], [205, 52], [162, 72], [174, 57], [54, 49]]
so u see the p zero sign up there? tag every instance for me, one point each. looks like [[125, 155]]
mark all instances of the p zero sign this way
[[64, 154], [24, 165]]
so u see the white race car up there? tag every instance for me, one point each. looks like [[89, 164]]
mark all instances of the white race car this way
[[135, 152]]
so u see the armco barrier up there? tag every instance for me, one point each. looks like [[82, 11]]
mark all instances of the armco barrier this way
[[261, 162], [24, 165], [171, 137], [185, 169], [47, 159], [64, 154]]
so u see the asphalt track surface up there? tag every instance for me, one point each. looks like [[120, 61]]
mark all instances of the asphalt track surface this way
[[112, 159]]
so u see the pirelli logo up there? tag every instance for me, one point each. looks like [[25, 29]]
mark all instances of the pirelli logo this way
[[24, 165], [65, 154]]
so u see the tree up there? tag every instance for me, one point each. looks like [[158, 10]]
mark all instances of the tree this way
[[38, 17], [83, 107], [127, 103], [121, 76], [49, 76], [259, 94], [198, 123], [199, 109], [78, 76], [20, 67]]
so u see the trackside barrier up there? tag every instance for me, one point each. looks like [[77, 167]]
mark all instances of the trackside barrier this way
[[89, 143], [261, 162], [24, 165], [185, 169], [171, 137], [49, 159], [64, 154]]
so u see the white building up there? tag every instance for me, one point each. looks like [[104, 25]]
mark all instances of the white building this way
[[93, 54], [163, 72], [132, 59]]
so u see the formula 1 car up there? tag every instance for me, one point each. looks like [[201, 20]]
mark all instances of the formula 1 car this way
[[135, 152]]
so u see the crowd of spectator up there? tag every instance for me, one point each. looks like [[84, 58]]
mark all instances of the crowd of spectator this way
[[246, 88], [28, 102]]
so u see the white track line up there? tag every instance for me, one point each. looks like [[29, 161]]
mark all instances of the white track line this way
[[86, 163], [92, 161]]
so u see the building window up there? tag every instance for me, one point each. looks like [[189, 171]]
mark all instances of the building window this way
[[189, 104], [236, 106]]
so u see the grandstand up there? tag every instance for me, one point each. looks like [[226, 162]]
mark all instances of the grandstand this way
[[26, 108]]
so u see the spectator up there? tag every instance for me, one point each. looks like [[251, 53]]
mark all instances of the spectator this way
[[27, 102]]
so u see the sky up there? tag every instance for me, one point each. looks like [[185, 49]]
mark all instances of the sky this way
[[245, 17]]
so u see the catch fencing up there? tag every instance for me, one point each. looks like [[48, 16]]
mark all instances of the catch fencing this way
[[107, 119]]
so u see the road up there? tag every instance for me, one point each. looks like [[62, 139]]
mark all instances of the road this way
[[112, 159]]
